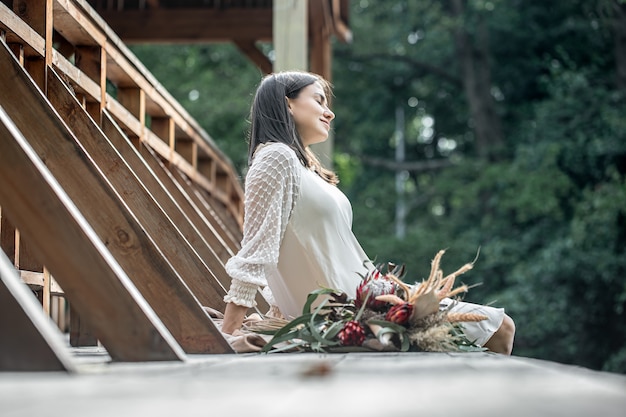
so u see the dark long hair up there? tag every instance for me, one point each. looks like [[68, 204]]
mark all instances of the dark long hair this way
[[271, 121]]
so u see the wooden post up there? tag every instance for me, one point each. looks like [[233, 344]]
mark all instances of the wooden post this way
[[29, 340], [63, 239], [143, 239], [320, 59], [92, 61], [290, 30], [134, 100], [125, 323], [38, 14]]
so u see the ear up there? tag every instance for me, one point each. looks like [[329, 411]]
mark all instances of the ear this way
[[289, 105]]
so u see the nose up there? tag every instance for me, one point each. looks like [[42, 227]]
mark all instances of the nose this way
[[329, 114]]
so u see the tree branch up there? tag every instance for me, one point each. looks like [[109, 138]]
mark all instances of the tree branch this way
[[425, 67], [415, 166]]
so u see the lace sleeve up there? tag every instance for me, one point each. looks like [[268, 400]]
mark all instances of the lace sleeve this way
[[270, 192]]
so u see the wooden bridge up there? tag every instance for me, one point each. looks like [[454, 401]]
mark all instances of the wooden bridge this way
[[118, 211], [111, 194], [116, 208]]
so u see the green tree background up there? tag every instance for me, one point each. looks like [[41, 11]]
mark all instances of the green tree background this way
[[512, 115]]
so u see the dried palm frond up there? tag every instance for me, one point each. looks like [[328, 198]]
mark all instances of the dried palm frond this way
[[268, 324], [459, 317], [433, 339]]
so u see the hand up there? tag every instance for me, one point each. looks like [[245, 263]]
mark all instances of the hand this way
[[233, 317]]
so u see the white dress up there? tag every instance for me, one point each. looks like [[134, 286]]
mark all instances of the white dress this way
[[298, 237]]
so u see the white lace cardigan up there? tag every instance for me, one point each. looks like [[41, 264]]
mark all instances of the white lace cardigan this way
[[297, 235]]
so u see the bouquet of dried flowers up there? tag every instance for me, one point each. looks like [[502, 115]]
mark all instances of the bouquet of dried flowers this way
[[386, 314]]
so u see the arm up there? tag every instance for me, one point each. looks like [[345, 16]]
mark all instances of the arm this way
[[271, 188], [233, 317]]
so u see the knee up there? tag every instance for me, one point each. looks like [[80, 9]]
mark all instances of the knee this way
[[508, 328], [502, 339]]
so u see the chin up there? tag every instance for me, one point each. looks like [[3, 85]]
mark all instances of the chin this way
[[317, 141]]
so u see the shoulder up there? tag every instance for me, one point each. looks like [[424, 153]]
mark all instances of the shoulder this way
[[275, 157], [274, 151]]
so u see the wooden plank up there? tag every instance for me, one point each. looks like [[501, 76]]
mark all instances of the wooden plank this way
[[173, 206], [320, 56], [20, 32], [30, 341], [65, 242], [36, 279], [124, 70], [80, 332], [233, 225], [7, 235], [290, 35], [129, 122], [38, 15], [128, 73], [77, 28], [165, 257], [24, 256], [46, 292], [190, 25], [191, 210], [249, 48], [222, 238], [175, 188], [230, 227], [82, 83]]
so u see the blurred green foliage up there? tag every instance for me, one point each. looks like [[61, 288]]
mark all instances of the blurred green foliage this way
[[548, 215]]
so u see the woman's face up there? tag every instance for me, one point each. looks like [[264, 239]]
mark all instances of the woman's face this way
[[311, 113]]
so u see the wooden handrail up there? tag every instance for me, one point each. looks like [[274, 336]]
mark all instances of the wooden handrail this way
[[76, 25]]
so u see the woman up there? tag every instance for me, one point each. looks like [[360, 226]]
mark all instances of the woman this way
[[297, 225]]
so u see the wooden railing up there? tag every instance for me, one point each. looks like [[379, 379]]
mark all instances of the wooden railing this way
[[155, 208], [70, 36]]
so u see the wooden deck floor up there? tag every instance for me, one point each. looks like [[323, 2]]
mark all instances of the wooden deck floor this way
[[294, 384]]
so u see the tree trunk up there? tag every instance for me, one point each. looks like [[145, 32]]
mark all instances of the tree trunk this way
[[619, 33], [476, 75]]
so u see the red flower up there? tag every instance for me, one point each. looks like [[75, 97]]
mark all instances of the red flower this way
[[399, 313], [376, 284], [352, 334]]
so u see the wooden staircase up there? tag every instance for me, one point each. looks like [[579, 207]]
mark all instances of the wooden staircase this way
[[112, 198]]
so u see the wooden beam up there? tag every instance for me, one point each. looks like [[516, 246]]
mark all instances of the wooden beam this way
[[7, 235], [165, 255], [178, 190], [225, 239], [320, 26], [19, 31], [198, 237], [249, 49], [91, 60], [89, 275], [290, 25], [217, 251], [38, 15], [80, 81], [37, 279], [77, 28], [190, 25], [30, 341]]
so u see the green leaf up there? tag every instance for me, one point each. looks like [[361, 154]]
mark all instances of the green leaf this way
[[384, 323], [313, 296], [279, 339], [287, 331], [333, 329], [299, 344], [314, 324]]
